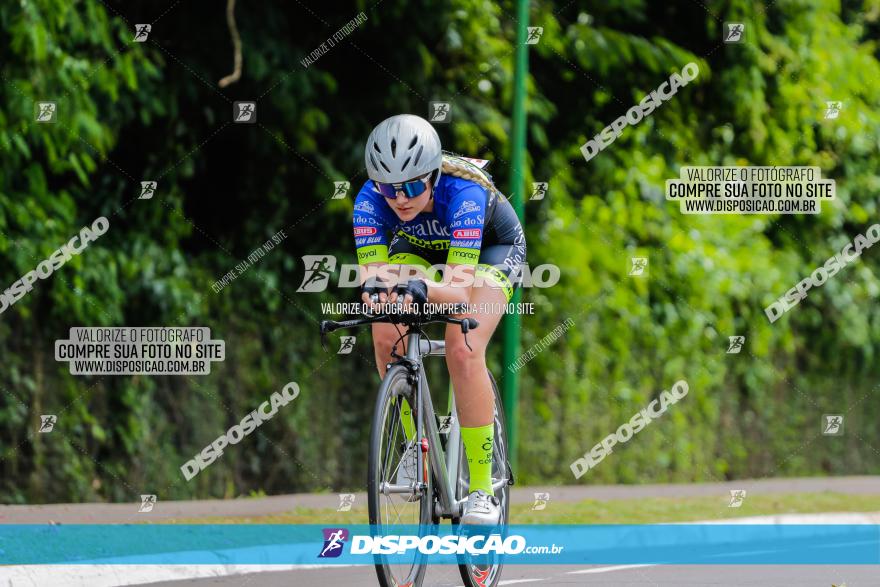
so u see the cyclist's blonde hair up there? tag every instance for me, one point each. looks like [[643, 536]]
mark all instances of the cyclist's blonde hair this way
[[452, 165]]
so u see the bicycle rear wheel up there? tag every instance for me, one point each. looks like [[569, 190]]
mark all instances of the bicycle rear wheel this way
[[488, 573], [387, 444]]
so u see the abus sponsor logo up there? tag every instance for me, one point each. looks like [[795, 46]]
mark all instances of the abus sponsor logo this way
[[400, 544], [469, 233], [237, 433], [334, 540], [56, 260], [645, 107], [364, 230], [629, 429]]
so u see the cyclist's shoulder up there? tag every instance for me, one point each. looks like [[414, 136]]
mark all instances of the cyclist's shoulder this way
[[368, 202], [367, 192], [451, 185], [466, 177], [453, 191]]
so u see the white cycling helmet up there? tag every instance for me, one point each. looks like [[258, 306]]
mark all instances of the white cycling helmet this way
[[402, 147]]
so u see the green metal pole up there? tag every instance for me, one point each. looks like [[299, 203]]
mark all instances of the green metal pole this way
[[511, 325]]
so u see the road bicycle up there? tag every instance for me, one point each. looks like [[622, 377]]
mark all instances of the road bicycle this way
[[441, 489]]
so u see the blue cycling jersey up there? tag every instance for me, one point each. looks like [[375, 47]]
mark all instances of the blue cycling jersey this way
[[456, 222]]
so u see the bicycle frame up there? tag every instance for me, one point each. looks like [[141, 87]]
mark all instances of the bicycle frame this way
[[442, 462]]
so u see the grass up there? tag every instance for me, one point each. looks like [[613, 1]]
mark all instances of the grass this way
[[618, 511]]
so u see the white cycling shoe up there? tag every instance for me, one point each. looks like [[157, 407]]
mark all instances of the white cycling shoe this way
[[481, 508], [406, 471]]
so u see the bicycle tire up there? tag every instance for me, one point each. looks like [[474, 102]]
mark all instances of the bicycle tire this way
[[384, 410], [468, 574]]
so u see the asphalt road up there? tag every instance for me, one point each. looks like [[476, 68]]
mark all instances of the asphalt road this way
[[629, 576], [115, 513], [446, 575]]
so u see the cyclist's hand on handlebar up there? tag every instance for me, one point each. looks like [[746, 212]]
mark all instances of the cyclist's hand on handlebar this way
[[374, 301], [415, 291], [374, 291]]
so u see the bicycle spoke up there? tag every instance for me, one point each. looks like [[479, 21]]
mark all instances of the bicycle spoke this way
[[394, 509], [387, 435]]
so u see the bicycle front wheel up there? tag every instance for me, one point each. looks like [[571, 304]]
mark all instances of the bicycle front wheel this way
[[391, 438]]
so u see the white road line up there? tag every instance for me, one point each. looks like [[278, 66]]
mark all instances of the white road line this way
[[607, 569]]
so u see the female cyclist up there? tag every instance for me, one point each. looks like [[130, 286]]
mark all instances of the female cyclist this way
[[441, 211]]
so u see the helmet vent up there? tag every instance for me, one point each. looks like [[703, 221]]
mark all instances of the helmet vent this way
[[405, 163], [376, 146], [373, 160], [419, 154], [393, 148], [413, 143], [385, 167]]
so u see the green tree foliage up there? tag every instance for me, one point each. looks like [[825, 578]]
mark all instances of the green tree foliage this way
[[129, 112]]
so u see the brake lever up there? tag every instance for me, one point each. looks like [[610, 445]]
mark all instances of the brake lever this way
[[323, 328], [465, 328]]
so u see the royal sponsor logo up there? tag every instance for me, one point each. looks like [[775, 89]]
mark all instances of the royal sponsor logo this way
[[468, 233], [364, 230]]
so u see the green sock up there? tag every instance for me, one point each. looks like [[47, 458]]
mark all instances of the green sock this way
[[409, 425], [478, 449]]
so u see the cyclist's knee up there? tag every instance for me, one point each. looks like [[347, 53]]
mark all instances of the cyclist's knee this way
[[464, 360], [383, 342]]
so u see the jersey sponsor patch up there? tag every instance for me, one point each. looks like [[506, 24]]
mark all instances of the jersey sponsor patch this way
[[364, 230], [466, 207], [367, 240], [373, 254], [365, 206], [463, 256], [426, 227], [467, 233]]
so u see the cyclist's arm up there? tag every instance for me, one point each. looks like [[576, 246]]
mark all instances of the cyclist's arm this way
[[465, 217], [370, 225]]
